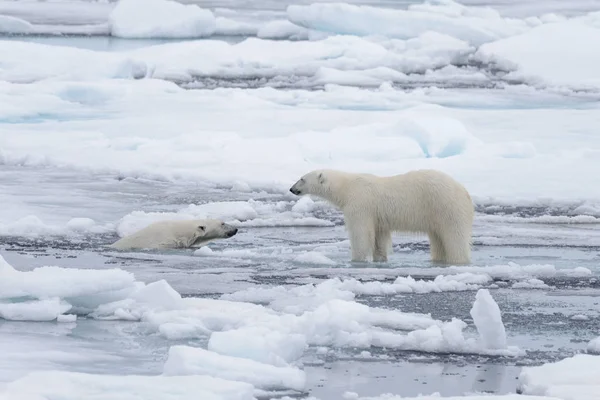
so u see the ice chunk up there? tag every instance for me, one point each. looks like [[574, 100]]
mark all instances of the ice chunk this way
[[76, 386], [281, 29], [86, 288], [594, 346], [532, 283], [314, 257], [554, 54], [67, 318], [154, 297], [475, 25], [160, 19], [259, 344], [488, 320], [185, 360], [39, 310], [574, 378]]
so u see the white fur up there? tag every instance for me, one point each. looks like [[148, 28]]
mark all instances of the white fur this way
[[419, 201], [176, 234]]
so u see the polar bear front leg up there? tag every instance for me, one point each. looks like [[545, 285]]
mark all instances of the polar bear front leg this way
[[383, 243], [362, 237]]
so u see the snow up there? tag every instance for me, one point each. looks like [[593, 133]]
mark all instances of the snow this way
[[40, 310], [250, 149], [185, 360], [574, 378], [74, 386], [488, 320], [160, 19], [475, 25], [59, 289], [100, 136], [594, 346], [318, 316], [555, 54]]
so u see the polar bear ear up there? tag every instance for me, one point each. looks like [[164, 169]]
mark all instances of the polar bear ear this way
[[321, 178]]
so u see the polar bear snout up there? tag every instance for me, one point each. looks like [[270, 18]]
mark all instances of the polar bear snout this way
[[231, 232], [297, 187]]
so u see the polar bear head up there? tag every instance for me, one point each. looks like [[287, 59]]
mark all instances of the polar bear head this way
[[211, 229], [312, 183]]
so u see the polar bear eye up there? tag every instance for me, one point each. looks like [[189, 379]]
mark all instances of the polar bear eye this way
[[202, 228], [222, 223]]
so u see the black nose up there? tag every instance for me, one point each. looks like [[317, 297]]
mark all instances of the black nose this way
[[233, 232], [294, 191]]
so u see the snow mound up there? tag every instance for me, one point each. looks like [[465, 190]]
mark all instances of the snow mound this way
[[38, 310], [556, 54], [259, 344], [575, 378], [32, 226], [46, 292], [65, 63], [321, 316], [48, 385], [137, 19], [488, 320], [473, 24], [594, 346], [185, 360]]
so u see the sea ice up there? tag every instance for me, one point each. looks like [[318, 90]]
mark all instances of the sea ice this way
[[553, 54], [574, 378], [185, 360], [594, 346], [160, 19], [49, 385], [475, 25], [84, 289]]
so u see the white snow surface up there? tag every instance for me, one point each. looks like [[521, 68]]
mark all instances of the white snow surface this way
[[593, 346], [81, 124], [552, 54], [185, 360], [49, 385], [160, 19], [574, 378], [331, 318]]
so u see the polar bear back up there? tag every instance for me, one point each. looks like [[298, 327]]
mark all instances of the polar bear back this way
[[418, 201], [162, 235]]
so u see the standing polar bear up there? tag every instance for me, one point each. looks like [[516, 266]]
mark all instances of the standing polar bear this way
[[418, 201], [176, 234]]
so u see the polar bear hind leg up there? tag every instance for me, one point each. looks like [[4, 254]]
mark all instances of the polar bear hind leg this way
[[383, 244], [457, 247], [436, 247]]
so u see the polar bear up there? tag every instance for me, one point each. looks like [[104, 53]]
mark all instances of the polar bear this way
[[176, 234], [426, 201]]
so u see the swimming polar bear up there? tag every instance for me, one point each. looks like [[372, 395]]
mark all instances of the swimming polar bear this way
[[176, 234], [418, 201]]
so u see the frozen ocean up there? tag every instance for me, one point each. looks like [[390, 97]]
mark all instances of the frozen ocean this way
[[115, 115]]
